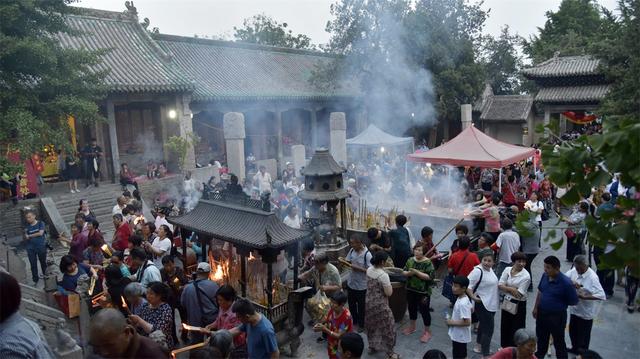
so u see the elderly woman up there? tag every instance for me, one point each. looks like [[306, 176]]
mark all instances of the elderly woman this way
[[525, 341], [156, 314], [378, 321], [133, 294], [72, 270], [514, 283]]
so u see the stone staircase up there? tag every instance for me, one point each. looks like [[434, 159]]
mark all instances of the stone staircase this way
[[101, 201]]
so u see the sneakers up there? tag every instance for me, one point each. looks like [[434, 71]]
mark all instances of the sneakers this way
[[477, 348], [426, 336]]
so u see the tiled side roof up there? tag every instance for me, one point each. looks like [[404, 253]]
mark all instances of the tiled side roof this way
[[563, 66], [248, 227], [134, 62], [226, 70], [591, 93], [507, 108]]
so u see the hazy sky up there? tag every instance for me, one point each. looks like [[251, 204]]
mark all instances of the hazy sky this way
[[218, 17]]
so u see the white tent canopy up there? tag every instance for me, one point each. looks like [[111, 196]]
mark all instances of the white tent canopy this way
[[373, 136]]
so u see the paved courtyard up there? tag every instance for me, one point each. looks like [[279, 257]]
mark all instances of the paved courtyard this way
[[615, 334]]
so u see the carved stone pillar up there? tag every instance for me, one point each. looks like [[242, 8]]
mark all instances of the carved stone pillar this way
[[234, 135], [338, 137]]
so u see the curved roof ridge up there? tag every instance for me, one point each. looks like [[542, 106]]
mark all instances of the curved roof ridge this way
[[239, 44]]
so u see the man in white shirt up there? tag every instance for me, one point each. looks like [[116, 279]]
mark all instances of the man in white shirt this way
[[121, 203], [508, 243], [264, 180], [590, 292]]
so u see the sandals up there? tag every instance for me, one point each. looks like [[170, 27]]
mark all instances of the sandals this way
[[408, 331]]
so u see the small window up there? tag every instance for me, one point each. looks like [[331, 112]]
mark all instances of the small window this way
[[339, 184], [325, 186]]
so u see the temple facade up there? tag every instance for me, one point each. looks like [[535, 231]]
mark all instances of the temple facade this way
[[163, 85]]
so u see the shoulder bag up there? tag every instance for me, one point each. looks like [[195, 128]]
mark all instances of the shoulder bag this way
[[447, 292], [507, 305]]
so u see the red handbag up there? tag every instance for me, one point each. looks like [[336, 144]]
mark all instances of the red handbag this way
[[569, 233]]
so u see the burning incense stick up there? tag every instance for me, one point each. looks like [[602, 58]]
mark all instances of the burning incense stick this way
[[92, 285], [186, 349], [97, 297]]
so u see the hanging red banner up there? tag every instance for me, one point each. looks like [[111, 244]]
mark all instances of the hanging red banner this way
[[579, 117]]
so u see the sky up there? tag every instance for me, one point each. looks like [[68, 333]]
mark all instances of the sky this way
[[309, 17]]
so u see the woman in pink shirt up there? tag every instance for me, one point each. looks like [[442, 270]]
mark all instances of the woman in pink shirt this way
[[227, 319]]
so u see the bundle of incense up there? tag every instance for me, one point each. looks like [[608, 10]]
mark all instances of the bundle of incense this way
[[92, 285], [124, 305], [97, 297], [344, 262], [193, 328], [106, 250], [186, 349]]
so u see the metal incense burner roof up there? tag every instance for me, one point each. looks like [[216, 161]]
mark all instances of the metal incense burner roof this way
[[323, 179]]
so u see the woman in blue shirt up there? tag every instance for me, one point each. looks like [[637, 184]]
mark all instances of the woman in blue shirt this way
[[72, 270]]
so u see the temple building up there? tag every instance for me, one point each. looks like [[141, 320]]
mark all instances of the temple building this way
[[163, 85], [567, 84]]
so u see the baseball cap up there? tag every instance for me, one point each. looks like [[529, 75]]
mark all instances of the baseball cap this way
[[203, 267]]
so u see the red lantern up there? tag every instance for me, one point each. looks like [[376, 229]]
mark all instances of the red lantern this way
[[579, 117]]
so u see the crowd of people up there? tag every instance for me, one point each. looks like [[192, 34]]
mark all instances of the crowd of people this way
[[489, 269]]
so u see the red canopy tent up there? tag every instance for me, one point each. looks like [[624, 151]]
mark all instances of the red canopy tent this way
[[473, 148]]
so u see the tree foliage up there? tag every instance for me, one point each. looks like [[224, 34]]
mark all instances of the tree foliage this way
[[590, 161], [572, 30], [503, 62], [264, 30], [42, 83]]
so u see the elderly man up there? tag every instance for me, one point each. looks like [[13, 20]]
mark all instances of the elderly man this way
[[555, 294], [121, 202], [586, 282], [199, 299], [111, 336], [21, 337]]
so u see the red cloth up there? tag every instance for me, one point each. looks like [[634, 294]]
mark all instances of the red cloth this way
[[469, 262], [121, 242], [473, 148], [342, 323]]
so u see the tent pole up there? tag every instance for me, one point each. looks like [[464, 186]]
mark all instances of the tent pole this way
[[500, 181]]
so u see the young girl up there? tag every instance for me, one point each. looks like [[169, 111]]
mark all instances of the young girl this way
[[419, 271], [338, 323]]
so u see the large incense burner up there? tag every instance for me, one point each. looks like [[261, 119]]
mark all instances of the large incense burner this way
[[244, 242], [323, 200]]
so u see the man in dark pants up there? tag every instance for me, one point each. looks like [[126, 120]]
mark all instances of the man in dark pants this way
[[586, 281], [36, 245], [555, 294], [91, 154], [360, 259]]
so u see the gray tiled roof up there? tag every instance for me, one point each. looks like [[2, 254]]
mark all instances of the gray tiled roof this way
[[563, 66], [134, 62], [244, 226], [590, 93], [236, 71], [507, 108]]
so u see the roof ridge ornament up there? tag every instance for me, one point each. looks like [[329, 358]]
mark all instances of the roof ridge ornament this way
[[131, 9]]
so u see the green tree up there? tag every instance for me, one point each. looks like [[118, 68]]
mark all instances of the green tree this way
[[503, 62], [264, 30], [590, 161], [42, 83], [571, 31]]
